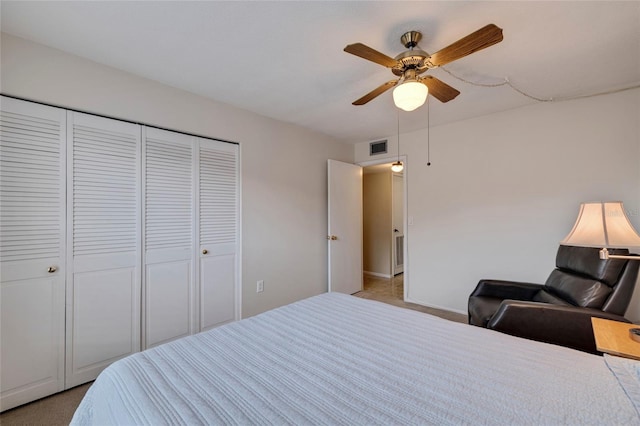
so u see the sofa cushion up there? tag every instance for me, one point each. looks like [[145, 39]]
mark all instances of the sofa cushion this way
[[577, 290]]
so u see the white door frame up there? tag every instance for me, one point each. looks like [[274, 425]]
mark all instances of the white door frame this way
[[405, 230], [394, 220]]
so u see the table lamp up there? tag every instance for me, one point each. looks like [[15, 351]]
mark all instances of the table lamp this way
[[604, 225]]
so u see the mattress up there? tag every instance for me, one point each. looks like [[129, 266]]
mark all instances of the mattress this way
[[336, 359]]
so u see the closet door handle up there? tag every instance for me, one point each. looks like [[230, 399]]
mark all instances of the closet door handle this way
[[52, 269], [205, 251]]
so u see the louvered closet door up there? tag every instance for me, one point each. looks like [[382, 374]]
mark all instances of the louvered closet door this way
[[169, 213], [218, 218], [32, 235], [103, 281]]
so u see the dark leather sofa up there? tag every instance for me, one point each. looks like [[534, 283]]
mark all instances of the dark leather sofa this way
[[559, 312]]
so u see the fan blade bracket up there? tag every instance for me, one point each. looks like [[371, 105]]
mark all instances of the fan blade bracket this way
[[429, 64]]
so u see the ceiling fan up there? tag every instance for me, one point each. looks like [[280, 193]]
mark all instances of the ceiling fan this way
[[409, 64]]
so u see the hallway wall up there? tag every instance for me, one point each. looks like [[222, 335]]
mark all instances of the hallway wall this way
[[376, 189]]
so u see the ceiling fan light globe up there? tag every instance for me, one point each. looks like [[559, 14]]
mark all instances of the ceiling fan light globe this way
[[397, 166], [410, 95]]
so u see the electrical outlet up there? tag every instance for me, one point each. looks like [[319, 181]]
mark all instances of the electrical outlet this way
[[260, 286]]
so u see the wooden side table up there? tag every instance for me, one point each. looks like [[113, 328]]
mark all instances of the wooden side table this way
[[613, 338]]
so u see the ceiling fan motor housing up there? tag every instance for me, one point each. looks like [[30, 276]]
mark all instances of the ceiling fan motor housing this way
[[417, 60], [412, 59]]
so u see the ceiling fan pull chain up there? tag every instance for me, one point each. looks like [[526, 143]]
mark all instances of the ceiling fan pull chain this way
[[428, 137]]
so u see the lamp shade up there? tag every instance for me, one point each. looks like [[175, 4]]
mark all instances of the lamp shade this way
[[410, 95], [603, 225]]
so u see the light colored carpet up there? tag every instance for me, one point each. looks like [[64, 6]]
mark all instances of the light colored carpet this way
[[54, 410], [58, 409]]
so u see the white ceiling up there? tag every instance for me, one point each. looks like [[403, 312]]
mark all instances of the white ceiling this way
[[284, 59]]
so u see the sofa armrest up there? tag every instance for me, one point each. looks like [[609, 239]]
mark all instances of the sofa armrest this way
[[506, 289], [568, 326]]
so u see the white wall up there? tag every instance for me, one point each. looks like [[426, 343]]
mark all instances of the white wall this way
[[504, 189], [284, 209]]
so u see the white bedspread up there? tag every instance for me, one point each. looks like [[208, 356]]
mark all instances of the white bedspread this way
[[340, 360]]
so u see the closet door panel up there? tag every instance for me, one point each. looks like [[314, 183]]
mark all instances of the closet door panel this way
[[168, 304], [32, 251], [32, 318], [218, 219], [33, 306], [169, 297], [218, 289], [103, 301], [103, 282]]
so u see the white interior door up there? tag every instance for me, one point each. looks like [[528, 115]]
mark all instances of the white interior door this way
[[32, 251], [397, 243], [169, 269], [345, 227], [104, 238]]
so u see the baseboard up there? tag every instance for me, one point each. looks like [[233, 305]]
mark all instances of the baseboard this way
[[376, 274], [428, 305]]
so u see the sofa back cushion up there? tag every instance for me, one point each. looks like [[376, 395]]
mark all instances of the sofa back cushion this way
[[586, 261], [578, 290]]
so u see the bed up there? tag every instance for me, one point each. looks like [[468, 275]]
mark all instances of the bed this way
[[336, 359]]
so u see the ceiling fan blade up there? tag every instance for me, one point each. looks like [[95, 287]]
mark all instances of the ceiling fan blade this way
[[439, 89], [370, 54], [375, 92], [481, 39]]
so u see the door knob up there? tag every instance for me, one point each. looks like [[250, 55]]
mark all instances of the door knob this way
[[52, 269], [205, 251]]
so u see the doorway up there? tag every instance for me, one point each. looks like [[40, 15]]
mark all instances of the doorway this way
[[384, 246]]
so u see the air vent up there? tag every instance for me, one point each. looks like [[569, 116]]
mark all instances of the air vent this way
[[379, 147]]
